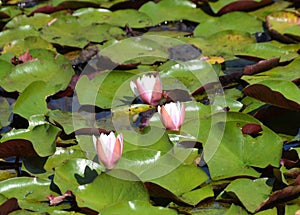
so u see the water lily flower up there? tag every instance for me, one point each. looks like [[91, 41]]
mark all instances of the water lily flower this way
[[109, 148], [148, 88], [172, 115]]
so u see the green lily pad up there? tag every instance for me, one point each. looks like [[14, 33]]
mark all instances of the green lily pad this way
[[266, 51], [61, 156], [75, 172], [137, 207], [42, 207], [105, 90], [95, 2], [25, 188], [42, 135], [280, 93], [195, 196], [38, 20], [288, 73], [17, 33], [151, 138], [111, 189], [227, 43], [236, 153], [274, 7], [54, 69], [18, 46], [181, 180], [10, 11], [190, 75], [32, 100], [67, 31], [133, 18], [160, 12], [250, 192], [144, 49], [230, 21]]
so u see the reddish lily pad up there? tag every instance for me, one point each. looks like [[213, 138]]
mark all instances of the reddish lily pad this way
[[280, 93]]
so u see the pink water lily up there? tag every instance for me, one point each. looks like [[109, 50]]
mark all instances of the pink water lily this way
[[109, 148], [172, 115], [148, 88]]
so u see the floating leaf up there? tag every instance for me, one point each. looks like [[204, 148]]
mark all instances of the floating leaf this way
[[42, 136], [67, 31], [242, 151], [225, 6], [160, 12], [230, 21], [266, 51], [111, 189], [280, 93], [18, 46], [137, 207], [37, 21], [25, 188], [105, 90], [17, 33], [133, 18], [285, 23], [53, 69], [75, 172], [250, 192]]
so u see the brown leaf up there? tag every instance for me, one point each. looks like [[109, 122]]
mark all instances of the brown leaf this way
[[267, 95], [281, 195], [251, 129], [9, 206], [17, 147], [261, 66], [243, 5]]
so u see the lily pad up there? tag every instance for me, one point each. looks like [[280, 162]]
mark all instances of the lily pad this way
[[288, 72], [137, 207], [280, 93], [250, 192], [105, 90], [50, 67], [42, 136], [242, 151], [160, 12], [110, 190], [225, 6], [67, 31], [133, 18], [75, 172], [17, 33], [266, 51], [26, 188], [285, 23], [230, 21], [18, 46], [37, 21]]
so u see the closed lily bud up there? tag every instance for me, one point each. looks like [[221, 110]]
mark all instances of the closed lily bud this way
[[109, 148], [172, 115], [148, 88]]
